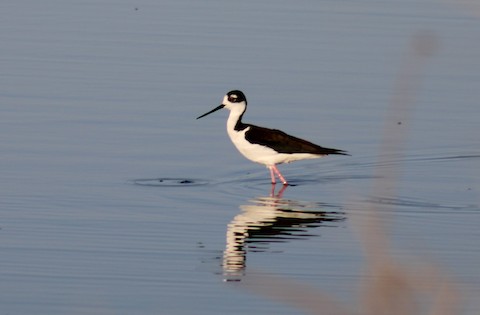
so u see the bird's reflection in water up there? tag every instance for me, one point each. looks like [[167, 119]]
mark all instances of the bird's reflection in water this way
[[272, 219]]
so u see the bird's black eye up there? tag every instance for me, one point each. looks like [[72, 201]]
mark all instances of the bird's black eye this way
[[233, 98]]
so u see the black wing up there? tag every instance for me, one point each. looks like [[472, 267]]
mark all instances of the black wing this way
[[284, 143]]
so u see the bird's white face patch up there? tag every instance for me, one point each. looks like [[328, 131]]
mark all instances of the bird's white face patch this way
[[225, 100]]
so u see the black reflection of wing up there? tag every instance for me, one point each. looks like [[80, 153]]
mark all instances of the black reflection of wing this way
[[290, 224], [272, 220]]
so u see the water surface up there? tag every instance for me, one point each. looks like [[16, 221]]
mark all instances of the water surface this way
[[115, 200]]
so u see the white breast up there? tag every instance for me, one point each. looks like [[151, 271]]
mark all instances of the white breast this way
[[262, 154], [255, 152]]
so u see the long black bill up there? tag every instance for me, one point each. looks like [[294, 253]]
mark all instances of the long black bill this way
[[213, 110]]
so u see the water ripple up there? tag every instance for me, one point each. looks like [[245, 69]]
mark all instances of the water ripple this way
[[170, 182]]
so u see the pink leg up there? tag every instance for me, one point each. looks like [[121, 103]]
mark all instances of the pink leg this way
[[280, 176], [272, 175], [279, 195], [280, 192], [272, 191]]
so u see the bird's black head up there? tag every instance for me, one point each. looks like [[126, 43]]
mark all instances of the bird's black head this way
[[236, 96], [233, 100]]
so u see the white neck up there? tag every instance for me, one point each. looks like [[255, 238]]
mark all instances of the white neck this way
[[234, 116]]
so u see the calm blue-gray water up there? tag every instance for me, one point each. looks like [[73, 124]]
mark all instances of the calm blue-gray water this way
[[115, 200]]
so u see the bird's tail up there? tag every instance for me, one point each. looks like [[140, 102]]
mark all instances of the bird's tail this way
[[335, 151]]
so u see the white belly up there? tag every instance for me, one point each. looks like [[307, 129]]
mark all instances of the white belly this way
[[264, 155]]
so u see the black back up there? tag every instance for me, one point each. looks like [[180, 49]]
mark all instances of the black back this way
[[284, 143]]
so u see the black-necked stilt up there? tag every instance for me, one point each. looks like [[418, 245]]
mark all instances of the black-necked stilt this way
[[266, 146]]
